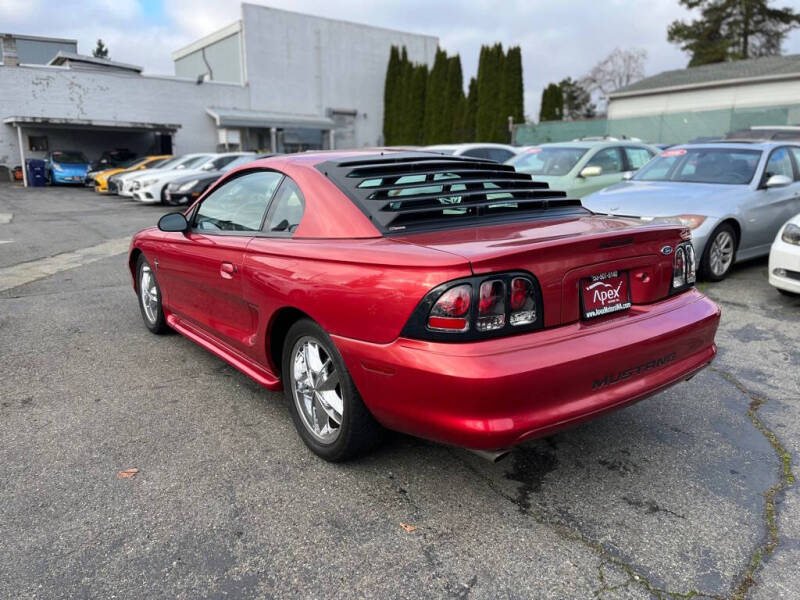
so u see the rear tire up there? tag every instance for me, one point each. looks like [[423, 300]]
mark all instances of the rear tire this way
[[149, 295], [327, 410], [719, 253]]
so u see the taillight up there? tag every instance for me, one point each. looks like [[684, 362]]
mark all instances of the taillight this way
[[684, 267], [491, 306], [451, 310], [478, 307], [522, 303]]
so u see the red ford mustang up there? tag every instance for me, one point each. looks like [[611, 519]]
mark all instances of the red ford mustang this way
[[444, 297]]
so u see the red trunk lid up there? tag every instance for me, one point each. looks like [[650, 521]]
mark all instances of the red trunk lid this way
[[561, 253]]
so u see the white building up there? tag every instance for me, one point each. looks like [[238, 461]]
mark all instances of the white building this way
[[273, 80], [758, 84]]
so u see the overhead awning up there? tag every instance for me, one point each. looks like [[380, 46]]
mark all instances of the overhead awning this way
[[95, 124], [232, 117]]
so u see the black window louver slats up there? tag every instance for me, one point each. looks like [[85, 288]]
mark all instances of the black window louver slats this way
[[413, 191]]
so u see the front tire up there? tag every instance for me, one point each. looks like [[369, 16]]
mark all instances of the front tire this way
[[149, 294], [719, 254], [325, 405]]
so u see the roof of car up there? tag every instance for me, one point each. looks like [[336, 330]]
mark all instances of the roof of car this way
[[738, 144], [588, 144], [467, 146]]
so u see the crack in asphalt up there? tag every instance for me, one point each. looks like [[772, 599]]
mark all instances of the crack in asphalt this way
[[786, 478], [634, 576], [757, 557]]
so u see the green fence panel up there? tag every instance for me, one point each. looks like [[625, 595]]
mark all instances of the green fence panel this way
[[665, 128]]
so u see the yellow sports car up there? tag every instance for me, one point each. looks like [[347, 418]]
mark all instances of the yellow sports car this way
[[136, 164]]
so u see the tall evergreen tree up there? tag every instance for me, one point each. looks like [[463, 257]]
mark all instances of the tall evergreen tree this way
[[552, 108], [490, 121], [416, 109], [469, 112], [391, 92], [732, 30], [435, 131], [405, 110], [516, 86], [454, 98]]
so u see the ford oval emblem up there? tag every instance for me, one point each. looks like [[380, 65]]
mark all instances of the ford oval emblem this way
[[666, 250]]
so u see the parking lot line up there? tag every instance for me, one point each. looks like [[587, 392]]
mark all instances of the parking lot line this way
[[22, 273]]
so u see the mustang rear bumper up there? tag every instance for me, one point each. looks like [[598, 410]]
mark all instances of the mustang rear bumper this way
[[497, 393]]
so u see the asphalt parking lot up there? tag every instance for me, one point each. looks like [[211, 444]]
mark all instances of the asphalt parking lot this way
[[687, 494]]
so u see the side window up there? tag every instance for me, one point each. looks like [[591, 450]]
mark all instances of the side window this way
[[499, 155], [609, 160], [238, 204], [779, 163], [476, 153], [217, 164], [286, 209], [637, 157], [796, 151]]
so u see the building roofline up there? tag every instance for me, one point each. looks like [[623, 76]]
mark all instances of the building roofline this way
[[207, 40], [39, 38], [704, 85], [62, 56], [295, 12]]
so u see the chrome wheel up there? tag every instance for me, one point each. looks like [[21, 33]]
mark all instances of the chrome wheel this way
[[721, 255], [148, 293], [316, 389]]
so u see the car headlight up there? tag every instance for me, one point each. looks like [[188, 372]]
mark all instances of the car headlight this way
[[148, 182], [691, 221], [187, 186], [57, 167], [791, 234]]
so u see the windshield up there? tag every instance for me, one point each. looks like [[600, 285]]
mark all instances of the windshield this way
[[131, 163], [70, 158], [553, 161], [192, 162], [702, 165], [158, 163], [241, 160]]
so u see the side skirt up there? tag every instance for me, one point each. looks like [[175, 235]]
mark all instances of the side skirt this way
[[230, 356]]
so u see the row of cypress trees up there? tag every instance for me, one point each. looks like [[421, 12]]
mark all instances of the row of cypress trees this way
[[422, 107]]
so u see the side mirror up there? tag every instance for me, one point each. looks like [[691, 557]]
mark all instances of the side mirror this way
[[591, 171], [628, 175], [778, 181], [174, 222]]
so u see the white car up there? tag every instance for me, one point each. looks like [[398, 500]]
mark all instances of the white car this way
[[496, 152], [150, 187], [124, 182], [784, 259]]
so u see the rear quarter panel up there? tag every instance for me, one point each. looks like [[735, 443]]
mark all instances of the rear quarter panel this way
[[361, 289]]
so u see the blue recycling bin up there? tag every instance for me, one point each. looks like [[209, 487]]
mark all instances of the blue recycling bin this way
[[35, 168]]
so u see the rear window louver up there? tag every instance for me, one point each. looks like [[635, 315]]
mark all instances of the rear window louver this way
[[413, 191]]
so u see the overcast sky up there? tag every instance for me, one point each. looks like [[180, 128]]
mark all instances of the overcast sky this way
[[559, 38]]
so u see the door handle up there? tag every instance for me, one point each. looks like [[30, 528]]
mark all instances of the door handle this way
[[227, 270]]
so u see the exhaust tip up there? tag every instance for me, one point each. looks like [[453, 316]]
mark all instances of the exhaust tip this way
[[493, 456]]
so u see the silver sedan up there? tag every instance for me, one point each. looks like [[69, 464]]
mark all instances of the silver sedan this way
[[733, 196]]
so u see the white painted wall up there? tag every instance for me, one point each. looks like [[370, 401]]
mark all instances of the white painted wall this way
[[743, 95], [62, 93], [301, 64]]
